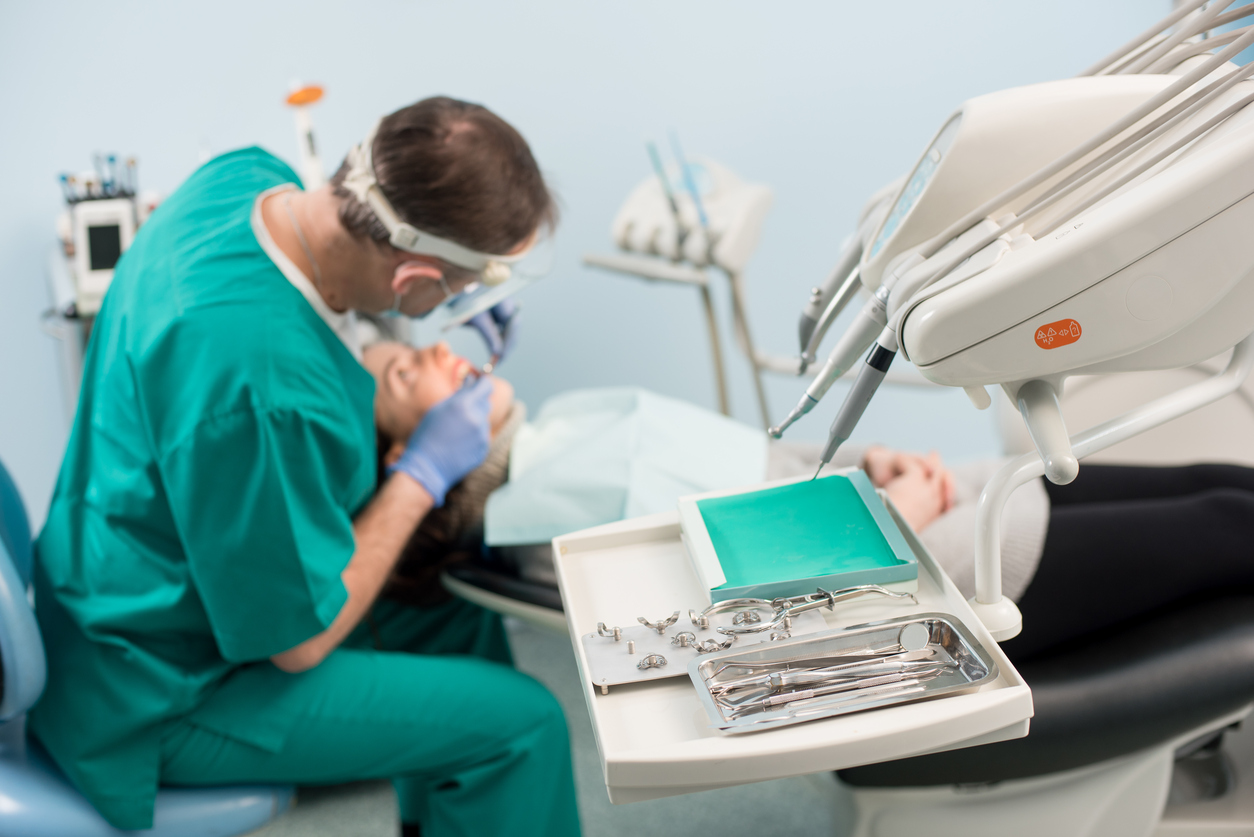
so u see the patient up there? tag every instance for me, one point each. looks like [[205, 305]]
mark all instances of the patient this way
[[1117, 543], [408, 383]]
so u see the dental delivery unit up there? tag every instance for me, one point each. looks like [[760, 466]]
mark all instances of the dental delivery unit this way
[[1090, 225]]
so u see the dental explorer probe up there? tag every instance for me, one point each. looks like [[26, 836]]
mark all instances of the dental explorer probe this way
[[856, 340], [869, 379]]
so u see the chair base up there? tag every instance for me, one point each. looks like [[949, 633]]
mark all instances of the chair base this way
[[1231, 815], [1123, 797]]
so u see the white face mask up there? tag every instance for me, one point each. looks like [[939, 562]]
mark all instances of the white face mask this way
[[395, 310]]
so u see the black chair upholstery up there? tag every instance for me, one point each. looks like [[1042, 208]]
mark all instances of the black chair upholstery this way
[[504, 582], [1130, 689]]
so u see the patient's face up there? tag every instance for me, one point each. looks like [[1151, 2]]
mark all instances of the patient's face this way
[[409, 382]]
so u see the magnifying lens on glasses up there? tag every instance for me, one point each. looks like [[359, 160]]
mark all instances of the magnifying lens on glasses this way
[[480, 296]]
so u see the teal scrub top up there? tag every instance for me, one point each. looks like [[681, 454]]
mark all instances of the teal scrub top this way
[[203, 514]]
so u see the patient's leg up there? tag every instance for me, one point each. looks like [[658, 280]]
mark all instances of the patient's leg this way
[[1103, 483], [1105, 563]]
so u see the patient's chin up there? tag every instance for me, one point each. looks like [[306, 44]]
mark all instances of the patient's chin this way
[[500, 402]]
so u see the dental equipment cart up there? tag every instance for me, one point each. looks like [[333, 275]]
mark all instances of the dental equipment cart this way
[[655, 738]]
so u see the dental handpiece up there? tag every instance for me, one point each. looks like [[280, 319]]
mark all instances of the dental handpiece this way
[[853, 343], [869, 379]]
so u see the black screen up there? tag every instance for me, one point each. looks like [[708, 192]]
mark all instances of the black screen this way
[[104, 247]]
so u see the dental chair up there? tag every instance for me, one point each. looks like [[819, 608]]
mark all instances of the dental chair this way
[[1130, 726], [496, 583], [36, 800]]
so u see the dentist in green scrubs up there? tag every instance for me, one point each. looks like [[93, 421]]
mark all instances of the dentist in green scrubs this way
[[208, 575]]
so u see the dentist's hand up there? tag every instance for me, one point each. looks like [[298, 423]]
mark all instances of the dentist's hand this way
[[451, 441], [499, 328]]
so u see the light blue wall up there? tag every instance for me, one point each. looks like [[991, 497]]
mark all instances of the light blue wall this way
[[825, 101]]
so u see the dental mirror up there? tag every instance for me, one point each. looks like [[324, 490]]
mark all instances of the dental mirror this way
[[914, 637]]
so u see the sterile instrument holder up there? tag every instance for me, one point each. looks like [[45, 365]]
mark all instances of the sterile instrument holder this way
[[654, 738], [791, 537]]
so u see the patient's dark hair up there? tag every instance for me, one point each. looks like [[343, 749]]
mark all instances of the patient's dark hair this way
[[456, 170]]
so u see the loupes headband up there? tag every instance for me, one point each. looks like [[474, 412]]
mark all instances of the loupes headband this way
[[364, 185]]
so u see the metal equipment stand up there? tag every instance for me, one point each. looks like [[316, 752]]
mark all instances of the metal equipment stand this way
[[659, 270]]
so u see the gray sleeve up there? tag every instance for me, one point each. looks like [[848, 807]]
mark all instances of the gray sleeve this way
[[796, 459], [951, 537]]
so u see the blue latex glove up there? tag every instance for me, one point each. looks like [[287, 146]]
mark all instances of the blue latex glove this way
[[451, 441], [498, 327]]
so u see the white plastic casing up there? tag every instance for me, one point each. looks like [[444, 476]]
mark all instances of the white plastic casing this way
[[1157, 277], [94, 222], [998, 140]]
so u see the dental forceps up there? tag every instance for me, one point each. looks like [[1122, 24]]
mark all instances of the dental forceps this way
[[785, 608]]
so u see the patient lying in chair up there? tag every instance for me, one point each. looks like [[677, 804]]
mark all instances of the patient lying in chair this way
[[596, 461]]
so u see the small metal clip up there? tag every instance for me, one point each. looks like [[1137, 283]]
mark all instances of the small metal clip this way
[[747, 617], [699, 621], [712, 645], [615, 633], [684, 638], [660, 625], [652, 661], [777, 635]]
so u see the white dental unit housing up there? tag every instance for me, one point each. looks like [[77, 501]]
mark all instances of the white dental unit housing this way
[[1083, 226], [1091, 225]]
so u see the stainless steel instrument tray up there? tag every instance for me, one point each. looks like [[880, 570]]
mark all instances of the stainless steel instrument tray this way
[[950, 641]]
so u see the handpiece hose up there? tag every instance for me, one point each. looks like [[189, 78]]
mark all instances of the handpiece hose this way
[[869, 379], [860, 334]]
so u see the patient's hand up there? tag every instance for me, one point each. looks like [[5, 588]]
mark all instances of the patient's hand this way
[[883, 465], [920, 487]]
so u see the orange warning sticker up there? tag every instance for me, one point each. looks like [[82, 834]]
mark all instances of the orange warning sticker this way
[[1061, 333]]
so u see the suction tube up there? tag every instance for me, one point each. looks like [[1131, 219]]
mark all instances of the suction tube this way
[[856, 339], [826, 302], [869, 380]]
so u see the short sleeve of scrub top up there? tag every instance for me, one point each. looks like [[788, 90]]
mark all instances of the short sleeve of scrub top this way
[[250, 491]]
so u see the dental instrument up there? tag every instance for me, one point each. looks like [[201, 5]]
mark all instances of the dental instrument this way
[[300, 100], [818, 694], [652, 661], [689, 181], [660, 625], [658, 169], [609, 666], [832, 672], [844, 667], [783, 609]]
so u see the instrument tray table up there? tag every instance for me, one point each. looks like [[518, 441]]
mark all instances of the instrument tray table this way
[[655, 738]]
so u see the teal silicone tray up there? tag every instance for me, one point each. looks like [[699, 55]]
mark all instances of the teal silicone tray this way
[[789, 539]]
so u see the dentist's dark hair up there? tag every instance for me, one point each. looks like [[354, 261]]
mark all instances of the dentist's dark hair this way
[[456, 170]]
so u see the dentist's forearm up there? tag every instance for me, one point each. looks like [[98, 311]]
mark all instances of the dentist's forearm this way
[[381, 532]]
